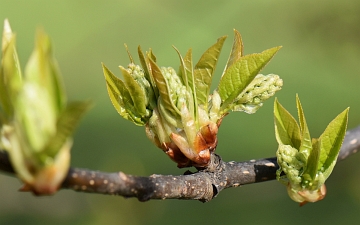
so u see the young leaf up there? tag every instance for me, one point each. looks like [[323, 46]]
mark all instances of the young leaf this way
[[42, 69], [189, 70], [129, 55], [204, 71], [188, 79], [163, 87], [241, 73], [331, 141], [168, 116], [120, 97], [236, 51], [146, 67], [183, 69], [10, 66], [306, 144], [313, 160], [10, 77], [287, 130], [17, 156], [66, 125], [136, 92]]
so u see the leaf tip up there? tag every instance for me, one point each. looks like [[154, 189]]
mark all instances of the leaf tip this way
[[128, 52], [174, 47], [7, 27], [276, 102]]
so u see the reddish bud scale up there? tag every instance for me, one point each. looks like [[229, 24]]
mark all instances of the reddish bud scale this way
[[204, 144], [176, 155]]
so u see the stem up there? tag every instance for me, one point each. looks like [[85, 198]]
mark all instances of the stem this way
[[202, 185]]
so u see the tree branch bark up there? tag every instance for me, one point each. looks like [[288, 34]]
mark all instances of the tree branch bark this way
[[203, 185]]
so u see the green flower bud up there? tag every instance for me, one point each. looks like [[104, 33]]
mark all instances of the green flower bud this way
[[289, 162], [260, 89], [177, 90]]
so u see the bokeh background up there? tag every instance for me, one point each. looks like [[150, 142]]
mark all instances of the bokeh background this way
[[319, 60]]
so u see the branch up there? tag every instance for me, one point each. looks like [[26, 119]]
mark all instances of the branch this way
[[203, 185]]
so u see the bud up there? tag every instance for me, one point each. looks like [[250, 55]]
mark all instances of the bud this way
[[183, 118], [305, 195], [305, 163], [260, 89], [37, 132]]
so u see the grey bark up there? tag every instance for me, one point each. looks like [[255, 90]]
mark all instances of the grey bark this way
[[203, 185]]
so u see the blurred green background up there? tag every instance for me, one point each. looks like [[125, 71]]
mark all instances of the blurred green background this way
[[319, 60]]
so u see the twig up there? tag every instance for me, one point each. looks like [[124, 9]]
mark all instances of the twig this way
[[203, 185]]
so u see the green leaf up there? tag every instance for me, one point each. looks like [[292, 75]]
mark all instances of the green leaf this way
[[287, 130], [10, 73], [168, 116], [236, 50], [189, 71], [204, 70], [19, 159], [183, 69], [191, 80], [306, 144], [163, 87], [136, 92], [66, 124], [187, 74], [113, 85], [313, 160], [330, 142], [151, 55], [129, 55], [10, 78], [146, 67], [42, 69], [241, 73], [35, 115], [120, 97]]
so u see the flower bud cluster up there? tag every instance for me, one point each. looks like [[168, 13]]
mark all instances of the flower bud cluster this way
[[260, 89], [300, 187], [177, 89], [290, 162]]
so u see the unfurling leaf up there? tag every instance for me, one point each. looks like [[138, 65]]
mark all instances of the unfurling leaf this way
[[10, 73], [204, 70], [287, 130], [119, 96], [137, 94], [306, 143], [163, 87], [236, 51], [331, 141]]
